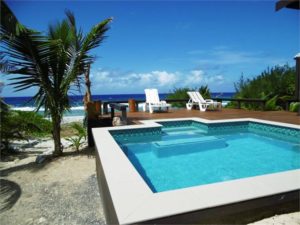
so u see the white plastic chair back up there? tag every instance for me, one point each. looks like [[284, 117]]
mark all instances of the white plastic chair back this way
[[193, 96], [199, 96], [148, 95], [154, 96]]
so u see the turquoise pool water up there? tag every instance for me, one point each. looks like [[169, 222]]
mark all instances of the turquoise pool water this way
[[186, 154]]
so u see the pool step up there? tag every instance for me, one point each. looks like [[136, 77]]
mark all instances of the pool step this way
[[176, 129], [188, 145], [190, 132], [179, 136]]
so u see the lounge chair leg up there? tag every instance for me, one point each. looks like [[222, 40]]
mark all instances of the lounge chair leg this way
[[189, 106], [202, 108]]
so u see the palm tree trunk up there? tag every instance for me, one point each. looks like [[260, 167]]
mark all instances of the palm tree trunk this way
[[88, 95], [58, 148]]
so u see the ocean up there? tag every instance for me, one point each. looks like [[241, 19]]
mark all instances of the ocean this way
[[24, 104]]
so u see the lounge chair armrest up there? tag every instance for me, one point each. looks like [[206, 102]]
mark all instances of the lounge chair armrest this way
[[209, 100], [163, 102]]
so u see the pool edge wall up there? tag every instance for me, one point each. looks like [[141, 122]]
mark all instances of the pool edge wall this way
[[108, 207], [117, 211], [237, 213]]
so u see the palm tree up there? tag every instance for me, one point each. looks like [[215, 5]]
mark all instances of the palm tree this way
[[53, 63]]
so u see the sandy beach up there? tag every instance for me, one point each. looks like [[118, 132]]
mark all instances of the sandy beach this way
[[63, 190], [59, 191]]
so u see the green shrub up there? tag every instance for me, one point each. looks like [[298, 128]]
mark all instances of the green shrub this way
[[231, 105], [27, 124], [179, 93], [294, 106], [80, 135], [80, 129], [205, 92], [20, 125], [271, 104], [275, 85], [33, 124]]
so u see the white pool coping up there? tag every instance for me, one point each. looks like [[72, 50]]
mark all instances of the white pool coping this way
[[134, 201]]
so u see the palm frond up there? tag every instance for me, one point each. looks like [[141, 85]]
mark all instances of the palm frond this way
[[94, 38], [80, 57], [71, 18]]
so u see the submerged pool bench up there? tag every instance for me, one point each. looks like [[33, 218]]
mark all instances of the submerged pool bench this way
[[183, 146]]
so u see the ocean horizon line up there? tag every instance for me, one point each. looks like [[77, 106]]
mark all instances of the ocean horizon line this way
[[166, 93]]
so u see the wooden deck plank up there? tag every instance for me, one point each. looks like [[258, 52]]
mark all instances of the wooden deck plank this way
[[277, 116]]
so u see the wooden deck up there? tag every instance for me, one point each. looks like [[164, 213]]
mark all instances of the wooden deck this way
[[277, 116]]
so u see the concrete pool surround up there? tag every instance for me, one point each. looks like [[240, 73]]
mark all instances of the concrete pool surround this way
[[128, 199]]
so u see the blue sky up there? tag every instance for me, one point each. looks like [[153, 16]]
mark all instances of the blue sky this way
[[167, 44]]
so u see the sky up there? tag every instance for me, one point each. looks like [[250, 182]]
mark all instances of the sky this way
[[174, 44]]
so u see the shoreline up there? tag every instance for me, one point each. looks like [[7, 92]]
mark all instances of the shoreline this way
[[71, 119]]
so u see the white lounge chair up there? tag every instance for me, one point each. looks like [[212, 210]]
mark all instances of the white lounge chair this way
[[153, 102], [197, 99]]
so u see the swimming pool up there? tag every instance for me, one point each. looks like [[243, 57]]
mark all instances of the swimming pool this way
[[187, 153], [220, 163]]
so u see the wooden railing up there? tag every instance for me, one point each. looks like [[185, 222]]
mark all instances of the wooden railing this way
[[240, 100], [261, 102]]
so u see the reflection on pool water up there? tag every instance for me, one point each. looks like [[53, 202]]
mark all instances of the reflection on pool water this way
[[187, 153]]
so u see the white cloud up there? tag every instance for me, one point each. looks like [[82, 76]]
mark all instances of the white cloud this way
[[113, 78], [218, 79], [199, 77], [132, 82], [194, 77], [165, 78]]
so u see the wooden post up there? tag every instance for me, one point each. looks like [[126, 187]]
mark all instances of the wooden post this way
[[263, 105], [287, 104], [105, 107], [112, 112], [124, 115], [132, 106], [98, 107], [239, 104], [92, 118], [91, 111], [136, 106]]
